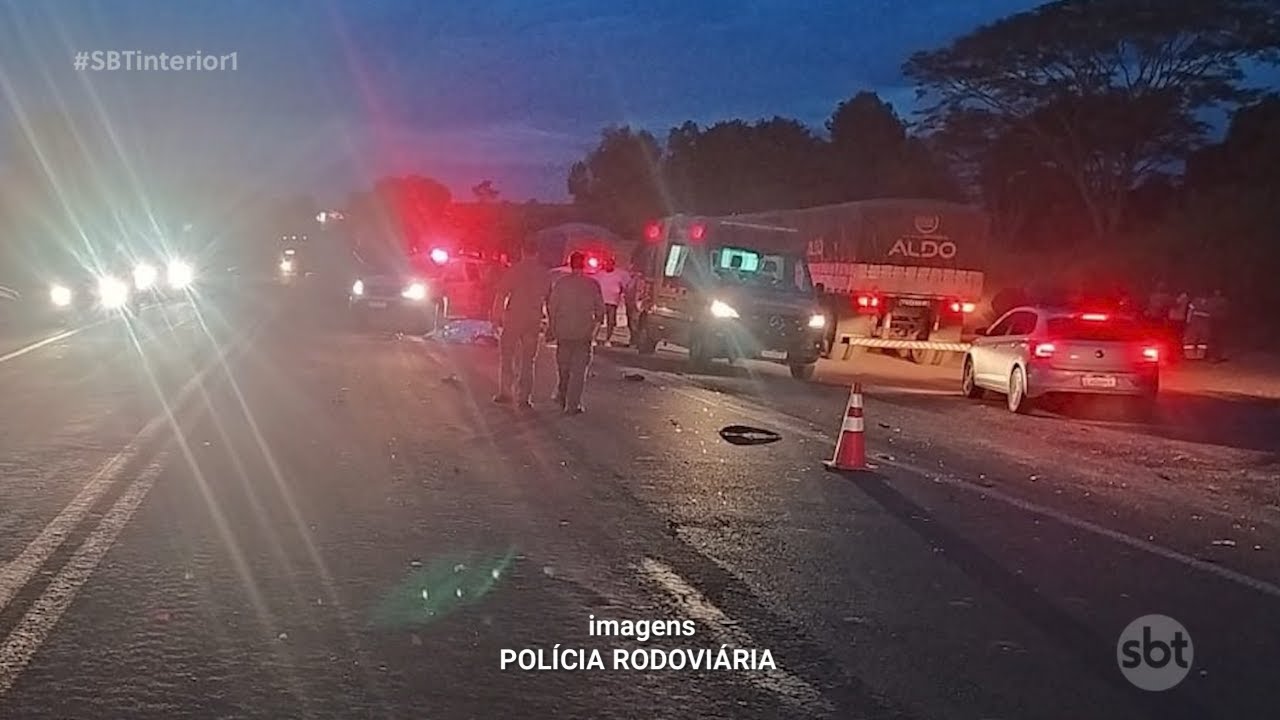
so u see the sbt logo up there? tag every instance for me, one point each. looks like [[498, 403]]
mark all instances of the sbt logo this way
[[1155, 652], [921, 248]]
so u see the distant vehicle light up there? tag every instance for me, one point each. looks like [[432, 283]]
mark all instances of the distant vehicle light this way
[[286, 265], [144, 276], [1094, 317], [415, 291], [817, 321], [723, 310], [1151, 353], [60, 295], [1045, 350], [653, 231], [439, 256], [290, 251], [112, 293], [697, 231], [357, 288], [180, 275]]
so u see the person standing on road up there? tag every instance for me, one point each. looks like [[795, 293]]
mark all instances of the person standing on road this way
[[517, 311], [631, 291], [575, 309], [612, 283]]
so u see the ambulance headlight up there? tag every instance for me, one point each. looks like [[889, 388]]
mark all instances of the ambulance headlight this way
[[723, 310], [415, 291], [113, 293], [180, 275], [144, 276]]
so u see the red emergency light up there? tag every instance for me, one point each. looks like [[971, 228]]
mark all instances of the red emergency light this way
[[867, 301], [697, 231], [439, 256], [593, 262], [653, 231], [1094, 317]]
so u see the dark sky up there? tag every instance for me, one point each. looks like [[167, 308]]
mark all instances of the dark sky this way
[[327, 94]]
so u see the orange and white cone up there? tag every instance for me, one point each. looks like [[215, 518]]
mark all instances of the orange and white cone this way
[[851, 449]]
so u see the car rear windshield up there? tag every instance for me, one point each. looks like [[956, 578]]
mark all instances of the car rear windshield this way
[[1070, 328]]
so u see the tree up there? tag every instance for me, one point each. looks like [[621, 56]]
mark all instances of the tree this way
[[874, 156], [1108, 93], [485, 192], [619, 184]]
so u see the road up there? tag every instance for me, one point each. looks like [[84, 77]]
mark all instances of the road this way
[[241, 508]]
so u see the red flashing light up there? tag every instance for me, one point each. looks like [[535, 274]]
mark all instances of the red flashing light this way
[[593, 262], [697, 232], [439, 256], [1045, 350], [1094, 317], [653, 231], [1151, 353], [868, 301]]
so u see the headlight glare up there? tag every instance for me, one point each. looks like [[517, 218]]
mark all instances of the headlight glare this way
[[358, 288], [817, 321], [180, 275], [415, 291], [722, 310], [144, 276], [112, 293], [60, 295]]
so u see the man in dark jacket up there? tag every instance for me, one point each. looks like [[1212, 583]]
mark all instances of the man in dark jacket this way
[[517, 310], [575, 310]]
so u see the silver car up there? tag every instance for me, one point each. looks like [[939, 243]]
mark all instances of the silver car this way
[[1031, 352]]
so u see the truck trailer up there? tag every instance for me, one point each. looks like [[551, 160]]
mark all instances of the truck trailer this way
[[908, 272]]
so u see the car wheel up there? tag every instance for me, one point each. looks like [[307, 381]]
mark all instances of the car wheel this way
[[803, 372], [969, 382], [1017, 397]]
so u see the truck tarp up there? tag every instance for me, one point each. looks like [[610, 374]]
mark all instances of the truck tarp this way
[[927, 233]]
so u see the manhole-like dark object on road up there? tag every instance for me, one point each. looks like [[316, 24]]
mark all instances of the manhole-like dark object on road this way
[[746, 435]]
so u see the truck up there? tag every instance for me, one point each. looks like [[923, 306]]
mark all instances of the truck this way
[[908, 273]]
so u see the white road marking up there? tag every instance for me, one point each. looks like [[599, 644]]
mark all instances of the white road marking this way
[[41, 343], [1224, 573], [791, 688], [21, 644], [18, 572]]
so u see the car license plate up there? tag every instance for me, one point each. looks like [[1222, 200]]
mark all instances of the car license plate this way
[[1099, 381], [377, 304], [774, 355]]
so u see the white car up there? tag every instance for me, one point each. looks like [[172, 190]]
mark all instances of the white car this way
[[1031, 352]]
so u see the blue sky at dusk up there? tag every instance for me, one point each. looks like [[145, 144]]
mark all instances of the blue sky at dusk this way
[[328, 94]]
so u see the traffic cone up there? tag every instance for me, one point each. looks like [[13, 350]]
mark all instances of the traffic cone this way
[[851, 450]]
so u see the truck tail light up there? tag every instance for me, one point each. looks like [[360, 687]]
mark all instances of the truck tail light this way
[[1044, 350], [867, 302]]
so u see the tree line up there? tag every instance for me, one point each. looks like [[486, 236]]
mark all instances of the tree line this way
[[1082, 126]]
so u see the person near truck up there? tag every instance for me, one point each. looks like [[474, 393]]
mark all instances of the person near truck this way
[[612, 281], [518, 303], [631, 292], [575, 310]]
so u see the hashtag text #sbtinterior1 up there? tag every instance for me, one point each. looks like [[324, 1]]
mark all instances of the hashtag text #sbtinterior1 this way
[[139, 61]]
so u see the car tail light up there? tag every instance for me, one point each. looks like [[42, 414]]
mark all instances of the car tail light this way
[[593, 262], [1044, 350], [653, 231], [1094, 317], [1151, 353], [697, 232]]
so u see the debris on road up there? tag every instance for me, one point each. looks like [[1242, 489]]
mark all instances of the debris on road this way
[[747, 435], [459, 332]]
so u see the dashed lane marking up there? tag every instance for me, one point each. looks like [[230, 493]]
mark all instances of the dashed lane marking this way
[[779, 419], [694, 604], [40, 619]]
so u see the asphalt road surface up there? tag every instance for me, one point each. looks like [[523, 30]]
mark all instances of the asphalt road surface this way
[[244, 509]]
